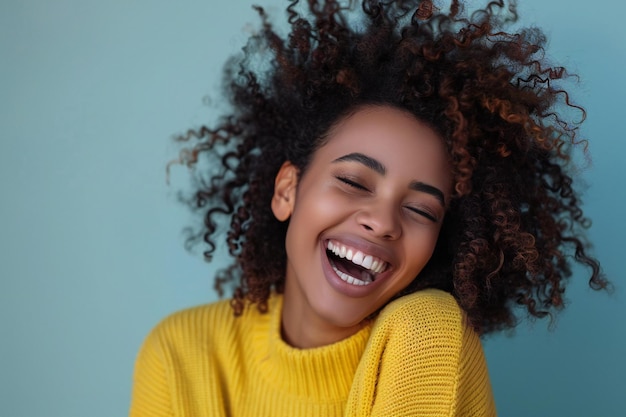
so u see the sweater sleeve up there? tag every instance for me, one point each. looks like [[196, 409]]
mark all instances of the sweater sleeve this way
[[422, 359], [473, 396], [150, 396]]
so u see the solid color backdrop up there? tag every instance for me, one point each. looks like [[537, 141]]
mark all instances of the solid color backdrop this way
[[91, 250]]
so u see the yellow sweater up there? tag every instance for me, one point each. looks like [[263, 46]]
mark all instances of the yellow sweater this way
[[417, 359]]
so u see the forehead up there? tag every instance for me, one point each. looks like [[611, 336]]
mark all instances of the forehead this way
[[402, 143]]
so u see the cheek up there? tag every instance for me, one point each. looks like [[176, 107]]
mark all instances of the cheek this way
[[313, 213], [318, 203], [420, 249], [329, 210]]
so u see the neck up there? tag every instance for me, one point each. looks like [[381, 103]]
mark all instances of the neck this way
[[303, 328], [308, 337]]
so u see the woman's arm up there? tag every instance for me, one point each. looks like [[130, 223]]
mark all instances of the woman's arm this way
[[422, 359], [150, 396]]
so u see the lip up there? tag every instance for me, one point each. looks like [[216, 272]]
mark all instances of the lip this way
[[343, 287]]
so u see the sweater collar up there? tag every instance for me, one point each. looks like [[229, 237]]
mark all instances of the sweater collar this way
[[322, 374]]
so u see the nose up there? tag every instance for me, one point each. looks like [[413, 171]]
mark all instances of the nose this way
[[380, 220]]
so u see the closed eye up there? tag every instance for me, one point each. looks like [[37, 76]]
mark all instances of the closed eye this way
[[423, 214], [352, 184]]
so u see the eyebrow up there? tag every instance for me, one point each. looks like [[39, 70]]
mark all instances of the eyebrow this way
[[377, 166], [368, 161], [428, 189]]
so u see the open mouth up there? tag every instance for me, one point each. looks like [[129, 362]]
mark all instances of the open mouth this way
[[354, 266]]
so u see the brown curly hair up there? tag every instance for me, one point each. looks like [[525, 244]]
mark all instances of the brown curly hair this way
[[515, 221]]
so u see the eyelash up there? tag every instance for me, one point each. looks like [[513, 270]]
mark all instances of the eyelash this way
[[424, 213], [352, 184], [358, 186]]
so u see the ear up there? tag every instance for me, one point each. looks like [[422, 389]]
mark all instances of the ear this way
[[284, 197]]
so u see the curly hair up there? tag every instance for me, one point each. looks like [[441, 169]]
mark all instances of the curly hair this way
[[515, 224]]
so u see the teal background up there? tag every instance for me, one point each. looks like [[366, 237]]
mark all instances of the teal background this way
[[91, 250]]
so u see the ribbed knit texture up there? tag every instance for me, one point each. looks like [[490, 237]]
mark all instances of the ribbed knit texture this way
[[418, 359]]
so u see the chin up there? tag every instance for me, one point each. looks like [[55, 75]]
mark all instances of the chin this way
[[344, 317]]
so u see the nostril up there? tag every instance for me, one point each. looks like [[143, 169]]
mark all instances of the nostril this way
[[379, 224]]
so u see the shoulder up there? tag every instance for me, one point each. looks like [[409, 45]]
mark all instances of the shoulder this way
[[180, 332], [425, 300], [422, 357], [210, 326], [194, 330], [201, 316], [427, 310], [198, 319], [422, 322]]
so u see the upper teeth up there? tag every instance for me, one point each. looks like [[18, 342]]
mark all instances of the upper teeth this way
[[357, 257]]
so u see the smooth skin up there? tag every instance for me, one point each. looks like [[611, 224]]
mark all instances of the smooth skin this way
[[378, 186]]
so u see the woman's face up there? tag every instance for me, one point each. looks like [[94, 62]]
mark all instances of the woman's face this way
[[363, 221]]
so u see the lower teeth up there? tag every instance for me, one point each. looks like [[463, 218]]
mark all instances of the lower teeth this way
[[350, 279]]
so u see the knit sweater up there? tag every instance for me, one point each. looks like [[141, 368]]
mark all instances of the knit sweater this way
[[418, 358]]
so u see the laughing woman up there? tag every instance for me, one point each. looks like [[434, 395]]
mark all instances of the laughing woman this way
[[419, 191]]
